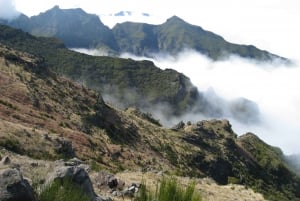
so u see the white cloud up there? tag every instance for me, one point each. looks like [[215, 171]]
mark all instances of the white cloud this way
[[8, 10], [273, 86]]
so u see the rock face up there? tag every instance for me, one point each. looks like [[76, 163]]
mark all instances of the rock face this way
[[73, 26], [5, 161], [78, 175], [105, 179], [13, 187], [64, 147]]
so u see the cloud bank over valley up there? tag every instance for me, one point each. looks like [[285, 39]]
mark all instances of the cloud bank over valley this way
[[273, 88]]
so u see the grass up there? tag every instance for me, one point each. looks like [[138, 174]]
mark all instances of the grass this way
[[62, 190], [170, 190], [12, 145]]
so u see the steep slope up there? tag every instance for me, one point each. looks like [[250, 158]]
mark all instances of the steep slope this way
[[122, 79], [176, 35], [137, 38], [49, 117], [125, 82], [277, 174], [294, 161], [73, 26]]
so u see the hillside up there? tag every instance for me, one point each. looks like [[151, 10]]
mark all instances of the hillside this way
[[121, 79], [176, 35], [82, 30], [126, 83], [48, 117]]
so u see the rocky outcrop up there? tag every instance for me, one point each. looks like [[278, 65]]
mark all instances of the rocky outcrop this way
[[5, 161], [104, 180], [64, 147], [13, 187], [108, 182], [77, 173]]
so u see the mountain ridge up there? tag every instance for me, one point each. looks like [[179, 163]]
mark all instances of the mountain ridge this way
[[124, 82], [172, 37]]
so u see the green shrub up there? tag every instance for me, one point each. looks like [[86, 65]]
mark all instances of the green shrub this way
[[233, 180], [62, 190], [170, 190], [12, 145]]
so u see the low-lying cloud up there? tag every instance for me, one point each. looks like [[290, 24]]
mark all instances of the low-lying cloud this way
[[8, 10], [273, 86], [257, 97]]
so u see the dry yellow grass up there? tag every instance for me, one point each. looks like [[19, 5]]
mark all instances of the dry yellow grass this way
[[208, 188]]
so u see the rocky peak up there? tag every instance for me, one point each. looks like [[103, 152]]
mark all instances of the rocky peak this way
[[175, 19]]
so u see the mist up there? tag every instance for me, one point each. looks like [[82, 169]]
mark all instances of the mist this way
[[8, 10], [273, 87], [258, 97]]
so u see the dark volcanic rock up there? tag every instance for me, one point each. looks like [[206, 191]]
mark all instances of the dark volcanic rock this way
[[13, 187]]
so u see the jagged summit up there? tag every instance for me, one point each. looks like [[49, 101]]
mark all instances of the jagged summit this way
[[56, 8], [74, 27], [175, 19], [80, 29]]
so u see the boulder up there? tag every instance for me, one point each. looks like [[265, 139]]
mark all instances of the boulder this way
[[104, 180], [131, 190], [5, 161], [178, 126], [73, 162], [77, 175], [64, 147], [13, 187], [112, 182]]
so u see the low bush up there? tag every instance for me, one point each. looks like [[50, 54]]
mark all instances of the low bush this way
[[170, 190], [62, 190]]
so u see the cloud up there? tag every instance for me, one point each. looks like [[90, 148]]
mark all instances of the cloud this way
[[95, 52], [8, 10], [273, 89]]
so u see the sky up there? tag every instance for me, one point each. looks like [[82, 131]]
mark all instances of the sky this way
[[271, 25]]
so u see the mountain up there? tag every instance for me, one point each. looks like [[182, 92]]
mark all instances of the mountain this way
[[130, 13], [176, 35], [47, 117], [123, 80], [126, 83], [79, 29], [294, 161], [73, 26]]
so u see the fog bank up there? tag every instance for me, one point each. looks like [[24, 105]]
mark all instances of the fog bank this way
[[274, 87], [8, 10]]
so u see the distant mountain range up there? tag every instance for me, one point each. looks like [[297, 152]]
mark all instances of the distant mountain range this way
[[130, 13], [78, 29], [74, 27]]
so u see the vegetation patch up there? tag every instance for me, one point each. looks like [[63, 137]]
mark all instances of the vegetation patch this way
[[170, 189], [62, 190], [11, 145], [8, 104]]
